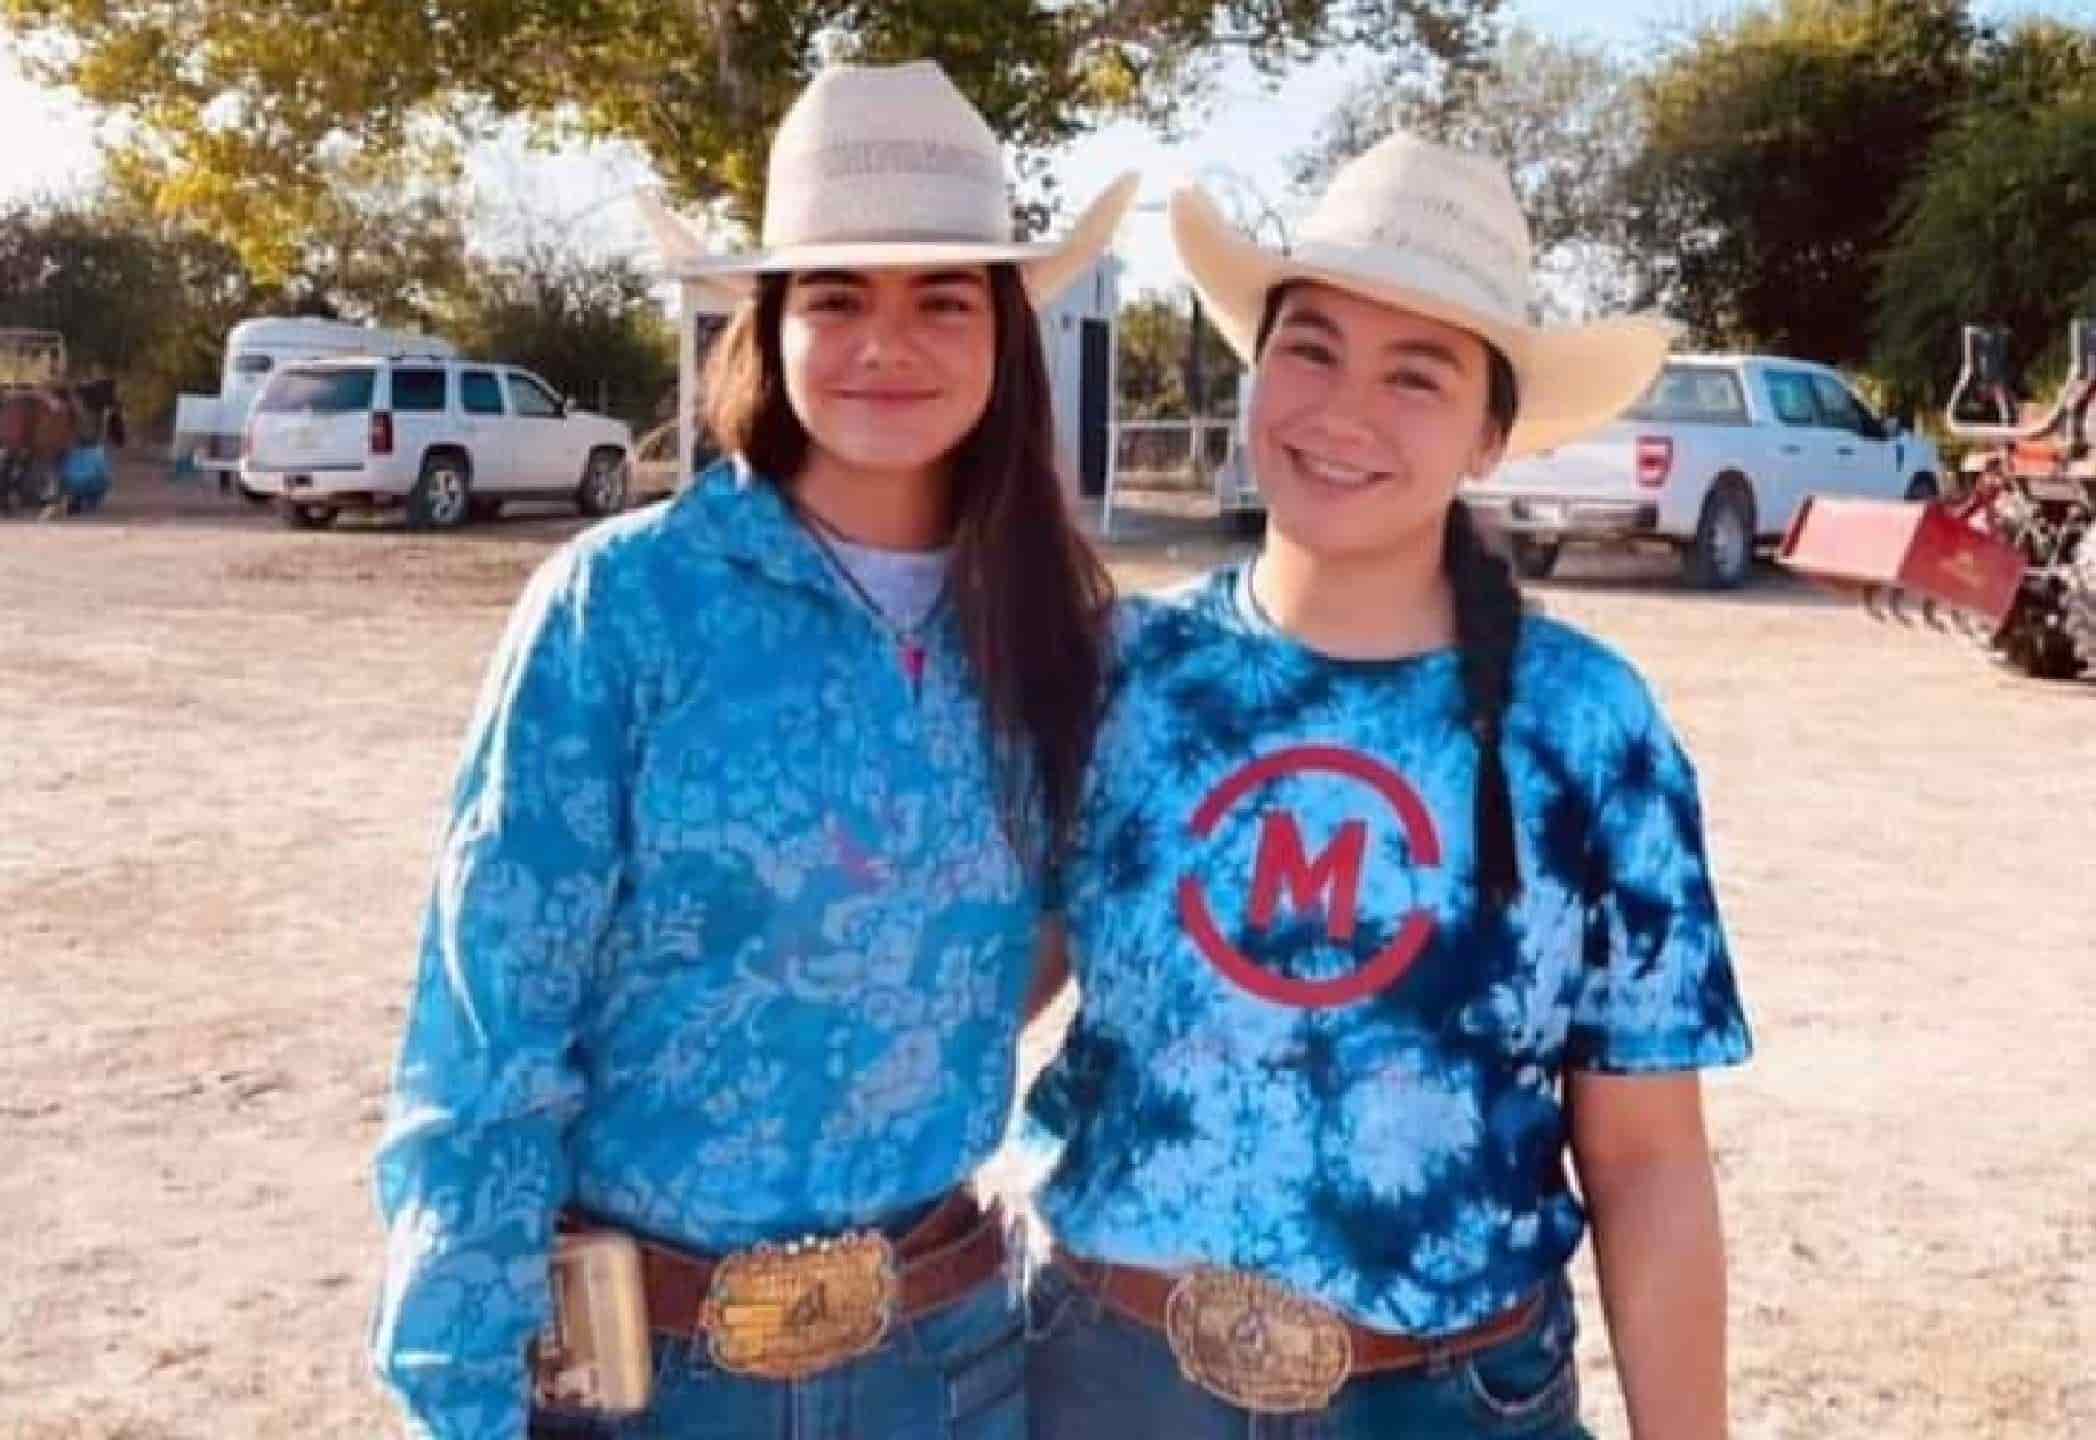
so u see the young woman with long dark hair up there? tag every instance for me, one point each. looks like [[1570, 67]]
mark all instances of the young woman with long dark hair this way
[[738, 907], [1388, 899]]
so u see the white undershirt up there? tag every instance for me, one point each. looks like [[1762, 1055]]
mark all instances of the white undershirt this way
[[904, 583]]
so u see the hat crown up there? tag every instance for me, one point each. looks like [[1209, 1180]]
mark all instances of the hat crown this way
[[1449, 211], [885, 152]]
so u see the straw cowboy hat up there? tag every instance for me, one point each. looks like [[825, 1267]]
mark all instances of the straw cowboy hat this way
[[889, 165], [1436, 231]]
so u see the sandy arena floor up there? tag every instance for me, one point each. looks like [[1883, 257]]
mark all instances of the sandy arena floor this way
[[223, 747]]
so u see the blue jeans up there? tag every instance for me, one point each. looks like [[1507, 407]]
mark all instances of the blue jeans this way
[[1092, 1374], [958, 1373]]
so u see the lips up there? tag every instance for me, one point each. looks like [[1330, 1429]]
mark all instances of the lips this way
[[888, 397], [1333, 474]]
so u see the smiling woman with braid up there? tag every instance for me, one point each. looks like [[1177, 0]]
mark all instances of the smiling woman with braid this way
[[1388, 898]]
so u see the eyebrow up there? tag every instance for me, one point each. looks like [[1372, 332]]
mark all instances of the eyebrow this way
[[1419, 347]]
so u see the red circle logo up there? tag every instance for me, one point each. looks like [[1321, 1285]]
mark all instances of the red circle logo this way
[[1284, 864]]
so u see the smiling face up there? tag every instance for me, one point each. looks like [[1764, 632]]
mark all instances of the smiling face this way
[[1364, 420], [888, 370]]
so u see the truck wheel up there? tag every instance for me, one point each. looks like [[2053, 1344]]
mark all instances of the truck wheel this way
[[306, 517], [1721, 556], [443, 494], [603, 487], [1922, 488], [1534, 559], [1244, 524]]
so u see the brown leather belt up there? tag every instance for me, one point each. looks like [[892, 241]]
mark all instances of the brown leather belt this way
[[943, 1258], [1144, 1296]]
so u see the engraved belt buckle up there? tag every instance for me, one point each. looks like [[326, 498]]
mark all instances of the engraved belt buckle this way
[[1244, 1339], [787, 1312]]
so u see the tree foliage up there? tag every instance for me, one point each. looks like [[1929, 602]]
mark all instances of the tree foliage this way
[[588, 325], [1152, 361], [1776, 145], [238, 116], [140, 301], [1999, 226]]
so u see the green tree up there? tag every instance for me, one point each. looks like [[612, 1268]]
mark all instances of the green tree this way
[[1152, 361], [240, 115], [1562, 114], [144, 301], [588, 325], [1999, 227], [1775, 145]]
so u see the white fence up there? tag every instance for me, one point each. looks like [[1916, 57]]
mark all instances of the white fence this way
[[1190, 455]]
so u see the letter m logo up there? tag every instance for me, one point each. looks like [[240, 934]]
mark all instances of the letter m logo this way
[[1337, 872]]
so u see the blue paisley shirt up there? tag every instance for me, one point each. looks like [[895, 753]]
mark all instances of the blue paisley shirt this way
[[1303, 1048], [725, 943]]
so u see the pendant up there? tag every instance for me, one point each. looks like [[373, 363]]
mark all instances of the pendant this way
[[913, 662]]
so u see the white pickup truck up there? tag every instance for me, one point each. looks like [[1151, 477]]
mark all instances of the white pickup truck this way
[[1713, 460]]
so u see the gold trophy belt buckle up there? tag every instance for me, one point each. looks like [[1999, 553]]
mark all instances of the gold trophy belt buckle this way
[[1244, 1339], [788, 1312]]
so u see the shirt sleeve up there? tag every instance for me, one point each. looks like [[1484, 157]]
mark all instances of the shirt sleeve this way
[[472, 1166], [1657, 991]]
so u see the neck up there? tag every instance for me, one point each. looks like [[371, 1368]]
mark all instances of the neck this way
[[1372, 607], [887, 509]]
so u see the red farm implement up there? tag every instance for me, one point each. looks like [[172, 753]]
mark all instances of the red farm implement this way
[[2010, 559]]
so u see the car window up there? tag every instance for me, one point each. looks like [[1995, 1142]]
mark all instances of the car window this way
[[479, 393], [1790, 396], [1837, 407], [320, 392], [418, 390], [528, 397], [1688, 392], [253, 364]]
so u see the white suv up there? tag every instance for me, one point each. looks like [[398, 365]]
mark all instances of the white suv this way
[[446, 439]]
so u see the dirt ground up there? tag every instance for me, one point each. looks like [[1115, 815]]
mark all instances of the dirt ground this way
[[223, 747]]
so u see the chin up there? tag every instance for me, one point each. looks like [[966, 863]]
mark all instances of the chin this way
[[887, 452]]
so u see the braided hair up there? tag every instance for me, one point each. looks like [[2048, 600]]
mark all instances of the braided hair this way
[[1488, 611]]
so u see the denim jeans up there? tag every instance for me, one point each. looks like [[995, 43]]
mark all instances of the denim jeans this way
[[958, 1373], [1094, 1375]]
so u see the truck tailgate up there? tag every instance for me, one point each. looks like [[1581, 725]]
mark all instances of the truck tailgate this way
[[1601, 464]]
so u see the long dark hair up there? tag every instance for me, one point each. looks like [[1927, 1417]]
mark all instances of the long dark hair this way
[[1031, 597], [1488, 609]]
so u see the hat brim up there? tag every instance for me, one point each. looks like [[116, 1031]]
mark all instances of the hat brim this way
[[1572, 379], [1048, 267]]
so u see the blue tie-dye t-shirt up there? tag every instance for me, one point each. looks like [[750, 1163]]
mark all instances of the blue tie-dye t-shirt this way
[[725, 944], [1304, 1048]]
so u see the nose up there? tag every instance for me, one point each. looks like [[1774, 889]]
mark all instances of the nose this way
[[883, 338]]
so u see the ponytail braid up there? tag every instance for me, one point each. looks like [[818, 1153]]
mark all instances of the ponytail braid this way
[[1488, 627]]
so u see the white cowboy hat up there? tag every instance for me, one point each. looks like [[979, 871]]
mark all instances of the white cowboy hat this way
[[1436, 231], [889, 165]]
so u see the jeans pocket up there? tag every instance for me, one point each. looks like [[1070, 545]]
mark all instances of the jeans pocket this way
[[1529, 1384]]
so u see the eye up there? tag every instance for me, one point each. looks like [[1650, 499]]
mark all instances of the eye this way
[[833, 301], [949, 302], [1419, 382], [1310, 351]]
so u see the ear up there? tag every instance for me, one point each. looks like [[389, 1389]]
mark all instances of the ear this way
[[1491, 449]]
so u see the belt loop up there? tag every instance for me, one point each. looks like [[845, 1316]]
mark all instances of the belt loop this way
[[1440, 1359]]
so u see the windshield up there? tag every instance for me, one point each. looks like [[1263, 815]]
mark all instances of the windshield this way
[[320, 392], [1689, 392]]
